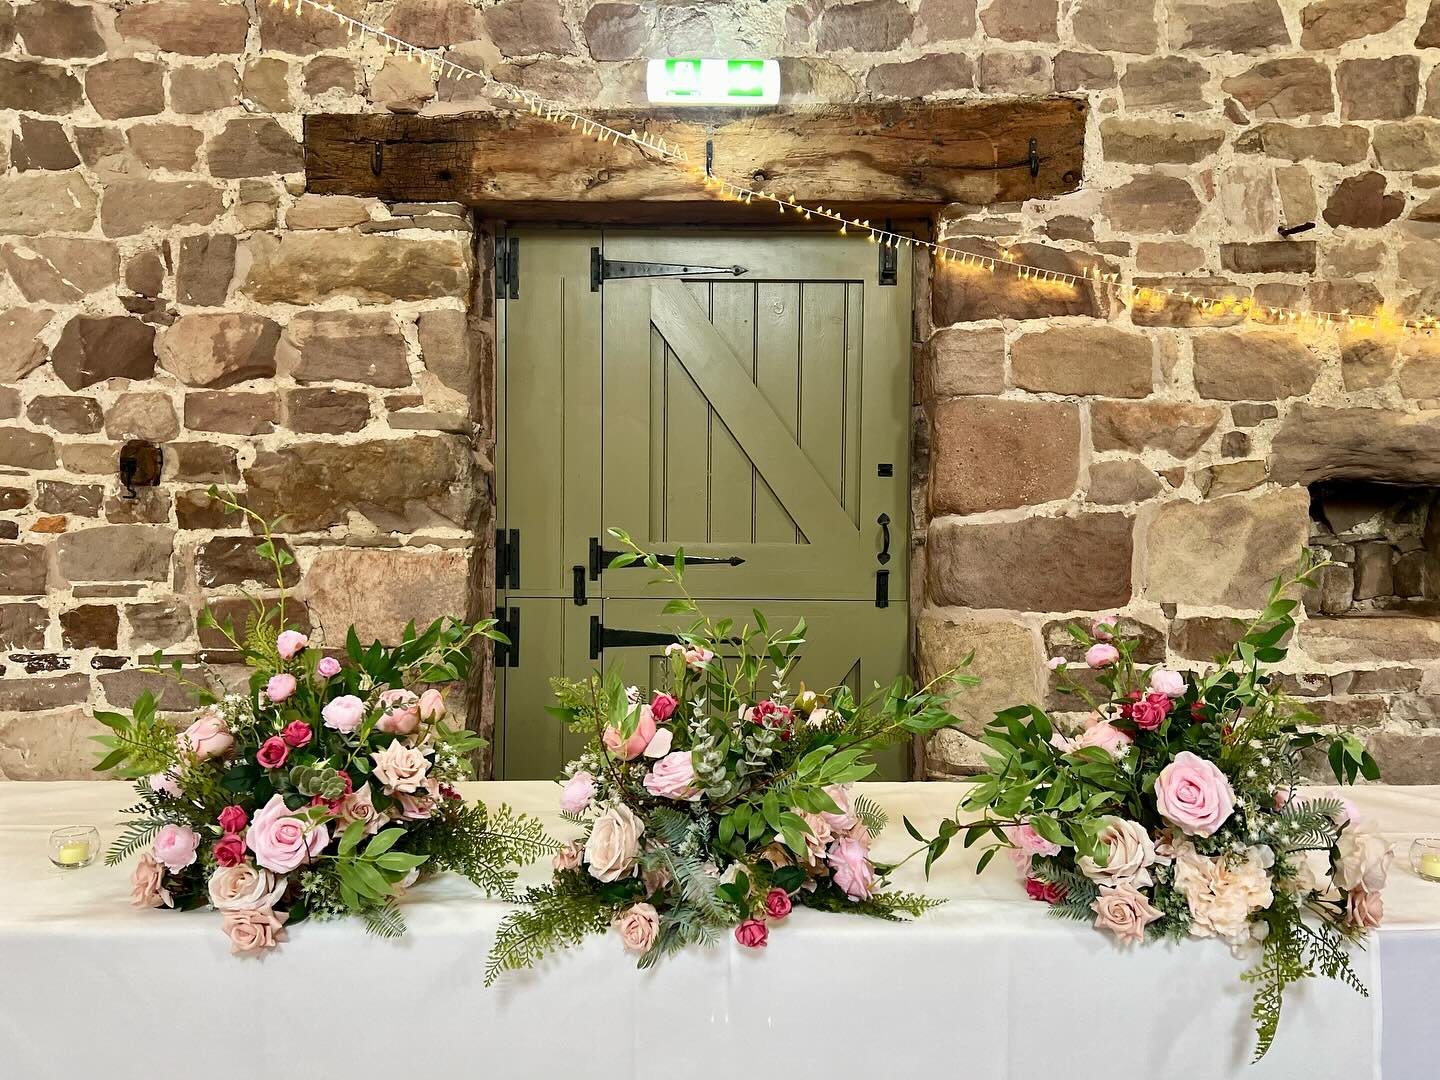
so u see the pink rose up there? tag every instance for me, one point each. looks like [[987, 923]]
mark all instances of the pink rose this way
[[673, 777], [1028, 841], [254, 930], [1364, 909], [1150, 711], [579, 790], [359, 806], [1101, 655], [1047, 891], [1124, 911], [290, 642], [850, 866], [639, 925], [233, 818], [752, 933], [1170, 683], [230, 850], [165, 784], [175, 846], [844, 819], [662, 707], [207, 737], [696, 656], [1106, 736], [328, 667], [777, 903], [568, 857], [432, 705], [399, 721], [1055, 663], [344, 713], [147, 884], [1282, 797], [272, 753], [400, 768], [634, 746], [297, 733], [279, 840], [280, 687], [1194, 795], [414, 807], [1103, 628]]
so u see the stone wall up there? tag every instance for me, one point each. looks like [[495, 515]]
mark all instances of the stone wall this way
[[164, 278]]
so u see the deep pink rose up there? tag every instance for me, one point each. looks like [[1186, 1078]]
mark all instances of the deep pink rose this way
[[662, 707], [1150, 711], [230, 850], [297, 733], [1047, 891], [279, 839], [633, 747], [280, 687], [1194, 795], [328, 667], [1101, 655], [175, 846], [850, 866], [290, 642], [207, 737], [777, 903], [752, 933], [272, 752], [233, 818], [344, 713], [579, 790]]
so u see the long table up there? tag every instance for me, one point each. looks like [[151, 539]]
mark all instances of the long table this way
[[988, 986]]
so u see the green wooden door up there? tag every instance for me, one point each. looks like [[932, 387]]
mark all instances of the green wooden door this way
[[760, 420]]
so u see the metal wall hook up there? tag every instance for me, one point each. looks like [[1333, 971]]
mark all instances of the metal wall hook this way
[[377, 157]]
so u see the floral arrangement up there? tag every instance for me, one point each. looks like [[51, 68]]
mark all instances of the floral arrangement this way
[[325, 790], [719, 802], [1175, 812]]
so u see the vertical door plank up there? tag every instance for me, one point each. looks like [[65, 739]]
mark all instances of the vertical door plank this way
[[822, 380], [850, 446], [777, 376], [732, 312], [687, 442]]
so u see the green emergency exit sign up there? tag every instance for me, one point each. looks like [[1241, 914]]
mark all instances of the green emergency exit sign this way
[[713, 82]]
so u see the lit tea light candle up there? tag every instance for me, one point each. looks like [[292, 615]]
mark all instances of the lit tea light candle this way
[[1430, 864], [77, 851], [74, 846]]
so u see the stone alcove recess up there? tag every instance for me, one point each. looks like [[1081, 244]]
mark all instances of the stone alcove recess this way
[[905, 163]]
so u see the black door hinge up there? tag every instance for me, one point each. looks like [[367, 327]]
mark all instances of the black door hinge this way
[[889, 262], [507, 268], [507, 559], [507, 621], [603, 269], [602, 557], [604, 637]]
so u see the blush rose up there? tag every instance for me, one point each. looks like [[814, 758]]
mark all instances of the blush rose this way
[[1194, 795], [279, 839], [175, 846]]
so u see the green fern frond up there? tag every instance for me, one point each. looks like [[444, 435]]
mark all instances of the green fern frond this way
[[384, 921], [552, 917], [868, 811]]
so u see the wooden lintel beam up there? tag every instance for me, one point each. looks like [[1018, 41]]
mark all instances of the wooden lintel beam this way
[[909, 155]]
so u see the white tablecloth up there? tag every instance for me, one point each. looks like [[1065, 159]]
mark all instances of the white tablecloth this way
[[988, 986]]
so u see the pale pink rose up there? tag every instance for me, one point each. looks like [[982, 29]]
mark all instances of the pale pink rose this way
[[165, 784], [328, 667], [638, 925], [1055, 663], [1106, 736], [655, 880], [290, 642], [1282, 797], [147, 884], [235, 888], [660, 745], [254, 930], [673, 777], [1194, 795], [1362, 861], [817, 838], [175, 846], [344, 713], [1170, 683], [1098, 627], [578, 792], [1349, 813], [1364, 909], [432, 705], [696, 656], [280, 687], [1131, 851], [614, 842], [399, 721], [359, 806], [818, 717], [1029, 842], [634, 746], [414, 807], [845, 820], [1124, 912], [207, 737], [279, 840], [850, 866], [568, 857], [1101, 655], [400, 768]]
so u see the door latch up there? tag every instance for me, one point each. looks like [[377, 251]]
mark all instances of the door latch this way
[[579, 586]]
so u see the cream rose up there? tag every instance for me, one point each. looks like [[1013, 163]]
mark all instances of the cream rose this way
[[1363, 861], [638, 925], [568, 857], [614, 842], [244, 886], [1132, 853], [1222, 894], [1124, 912], [400, 768]]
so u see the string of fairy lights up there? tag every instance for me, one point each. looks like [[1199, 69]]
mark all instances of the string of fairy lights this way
[[1004, 260]]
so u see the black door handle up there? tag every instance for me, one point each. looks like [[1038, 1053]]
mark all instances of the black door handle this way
[[884, 522]]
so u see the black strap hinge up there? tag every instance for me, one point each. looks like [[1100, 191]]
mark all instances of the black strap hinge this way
[[507, 268], [507, 559], [507, 621], [604, 637], [602, 557], [603, 269]]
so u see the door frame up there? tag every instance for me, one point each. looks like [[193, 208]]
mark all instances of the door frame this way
[[488, 318]]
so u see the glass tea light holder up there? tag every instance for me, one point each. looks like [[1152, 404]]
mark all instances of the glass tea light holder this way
[[1425, 857], [74, 846]]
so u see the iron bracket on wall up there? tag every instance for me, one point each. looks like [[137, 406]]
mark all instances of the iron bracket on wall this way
[[602, 557], [603, 269], [507, 621], [507, 268], [507, 559]]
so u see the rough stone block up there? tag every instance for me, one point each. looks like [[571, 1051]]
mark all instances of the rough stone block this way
[[1084, 360], [1006, 660], [380, 590], [993, 454], [115, 553]]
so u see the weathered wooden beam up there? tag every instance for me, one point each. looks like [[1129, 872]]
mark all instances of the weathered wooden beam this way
[[884, 157]]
